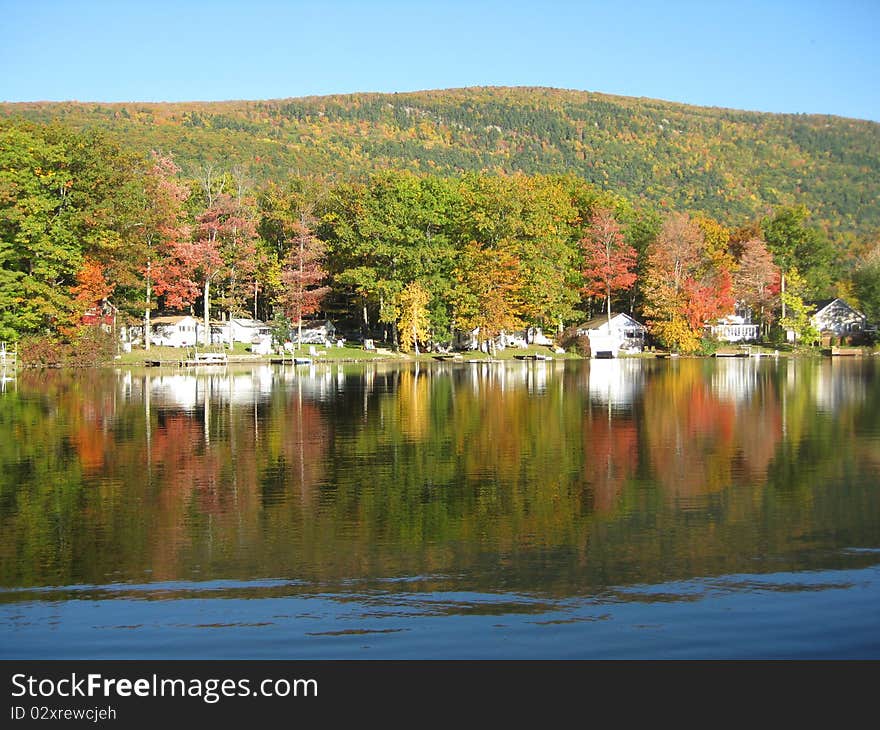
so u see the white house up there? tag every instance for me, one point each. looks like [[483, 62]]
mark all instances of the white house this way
[[836, 317], [315, 332], [219, 332], [624, 335], [734, 328], [249, 331], [174, 331]]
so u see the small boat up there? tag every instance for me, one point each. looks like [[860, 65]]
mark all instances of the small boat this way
[[446, 356]]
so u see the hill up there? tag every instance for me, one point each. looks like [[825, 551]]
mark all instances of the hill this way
[[731, 164]]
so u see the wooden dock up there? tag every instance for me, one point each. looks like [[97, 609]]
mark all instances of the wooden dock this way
[[193, 358], [8, 357], [842, 351], [290, 360]]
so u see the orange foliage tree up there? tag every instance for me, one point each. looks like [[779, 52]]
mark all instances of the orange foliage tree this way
[[685, 287]]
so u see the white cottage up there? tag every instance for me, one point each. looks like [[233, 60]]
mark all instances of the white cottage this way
[[174, 331], [836, 317], [249, 331], [624, 335], [315, 332]]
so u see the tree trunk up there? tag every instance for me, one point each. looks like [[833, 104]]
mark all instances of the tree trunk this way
[[608, 300], [782, 294], [147, 310], [207, 311]]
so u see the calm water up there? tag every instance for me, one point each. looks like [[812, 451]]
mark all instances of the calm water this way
[[607, 509]]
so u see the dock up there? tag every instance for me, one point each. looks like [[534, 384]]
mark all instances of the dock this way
[[193, 358], [842, 352], [290, 360], [8, 357]]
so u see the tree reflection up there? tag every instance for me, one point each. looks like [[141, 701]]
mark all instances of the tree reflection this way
[[543, 475]]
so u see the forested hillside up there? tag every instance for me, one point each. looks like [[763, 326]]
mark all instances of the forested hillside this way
[[733, 165], [413, 216]]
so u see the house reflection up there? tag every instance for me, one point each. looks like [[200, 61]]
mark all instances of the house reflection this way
[[617, 382]]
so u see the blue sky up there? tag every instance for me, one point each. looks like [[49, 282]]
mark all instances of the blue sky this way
[[777, 55]]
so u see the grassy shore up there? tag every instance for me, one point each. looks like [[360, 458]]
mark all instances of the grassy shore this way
[[352, 353], [348, 353]]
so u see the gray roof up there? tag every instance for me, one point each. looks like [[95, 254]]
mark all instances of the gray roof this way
[[241, 322]]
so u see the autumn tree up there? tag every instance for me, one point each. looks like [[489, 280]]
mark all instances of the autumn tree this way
[[609, 262], [302, 274], [755, 278], [195, 264], [683, 287], [239, 247], [288, 223], [163, 222], [413, 322], [91, 285], [487, 294], [797, 313]]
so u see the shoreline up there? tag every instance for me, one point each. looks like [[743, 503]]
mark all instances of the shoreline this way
[[142, 360]]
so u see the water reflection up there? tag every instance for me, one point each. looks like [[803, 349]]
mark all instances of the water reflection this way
[[552, 478]]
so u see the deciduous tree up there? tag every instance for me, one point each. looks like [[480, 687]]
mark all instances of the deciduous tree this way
[[683, 287], [302, 274], [797, 316], [755, 278], [488, 290], [866, 285], [609, 262], [413, 322]]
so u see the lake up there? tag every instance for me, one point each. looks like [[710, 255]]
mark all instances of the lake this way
[[634, 508]]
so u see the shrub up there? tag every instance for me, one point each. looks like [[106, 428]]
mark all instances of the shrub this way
[[41, 351], [571, 341], [708, 346], [90, 346]]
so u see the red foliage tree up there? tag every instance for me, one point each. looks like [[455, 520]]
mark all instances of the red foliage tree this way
[[165, 227], [609, 262], [303, 271], [224, 246]]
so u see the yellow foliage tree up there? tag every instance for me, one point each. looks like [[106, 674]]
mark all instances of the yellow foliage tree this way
[[413, 323]]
